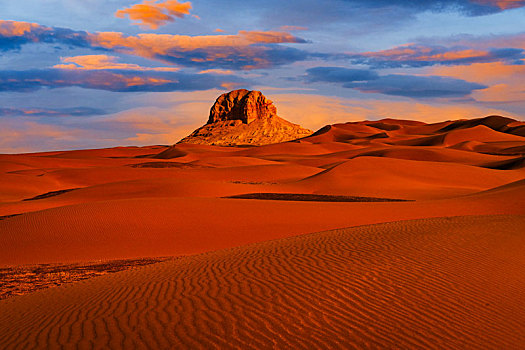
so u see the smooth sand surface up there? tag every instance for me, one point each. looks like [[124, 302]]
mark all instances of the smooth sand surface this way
[[440, 283]]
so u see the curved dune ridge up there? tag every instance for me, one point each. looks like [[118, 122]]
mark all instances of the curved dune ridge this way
[[453, 282], [132, 202]]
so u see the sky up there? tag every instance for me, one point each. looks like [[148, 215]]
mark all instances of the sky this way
[[78, 74]]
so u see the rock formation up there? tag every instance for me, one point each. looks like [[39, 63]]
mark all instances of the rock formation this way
[[243, 117]]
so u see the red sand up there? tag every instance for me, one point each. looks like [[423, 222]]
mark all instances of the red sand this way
[[445, 283], [124, 207], [452, 277]]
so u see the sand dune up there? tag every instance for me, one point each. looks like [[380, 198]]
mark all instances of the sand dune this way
[[131, 202], [423, 284], [132, 228]]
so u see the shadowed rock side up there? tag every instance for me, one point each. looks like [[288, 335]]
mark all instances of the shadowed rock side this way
[[423, 284], [243, 117]]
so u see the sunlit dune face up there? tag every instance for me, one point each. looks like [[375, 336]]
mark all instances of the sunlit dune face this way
[[153, 14]]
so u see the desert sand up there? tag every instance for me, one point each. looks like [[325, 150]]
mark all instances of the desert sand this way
[[428, 284], [437, 263]]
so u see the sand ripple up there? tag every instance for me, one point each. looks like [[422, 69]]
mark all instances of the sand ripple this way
[[445, 283]]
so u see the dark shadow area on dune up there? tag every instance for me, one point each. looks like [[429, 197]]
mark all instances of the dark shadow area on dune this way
[[50, 194], [303, 197]]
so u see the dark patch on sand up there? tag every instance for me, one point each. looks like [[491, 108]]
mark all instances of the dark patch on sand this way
[[303, 197], [24, 279], [50, 194]]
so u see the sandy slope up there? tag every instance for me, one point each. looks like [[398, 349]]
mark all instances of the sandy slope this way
[[433, 283], [132, 202], [130, 228]]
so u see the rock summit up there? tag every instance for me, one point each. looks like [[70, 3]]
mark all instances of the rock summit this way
[[243, 117]]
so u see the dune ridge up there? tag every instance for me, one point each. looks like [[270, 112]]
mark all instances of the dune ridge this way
[[423, 284]]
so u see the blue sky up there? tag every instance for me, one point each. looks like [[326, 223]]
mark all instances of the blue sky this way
[[99, 73]]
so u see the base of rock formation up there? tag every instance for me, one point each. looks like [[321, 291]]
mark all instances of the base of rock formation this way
[[265, 131]]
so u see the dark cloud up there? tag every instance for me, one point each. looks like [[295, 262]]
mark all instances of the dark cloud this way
[[467, 7], [417, 86], [339, 75], [113, 80], [15, 34], [393, 84], [47, 112], [254, 57], [364, 16], [420, 55]]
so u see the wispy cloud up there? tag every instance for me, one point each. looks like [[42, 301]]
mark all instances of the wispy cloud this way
[[393, 84], [153, 14], [112, 80], [98, 62], [50, 112], [419, 55]]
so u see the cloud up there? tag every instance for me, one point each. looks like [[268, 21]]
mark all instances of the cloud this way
[[416, 86], [467, 7], [507, 82], [244, 50], [419, 55], [14, 34], [339, 74], [111, 80], [153, 14], [47, 112], [393, 84], [97, 62]]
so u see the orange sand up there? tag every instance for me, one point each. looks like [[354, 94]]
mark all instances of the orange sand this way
[[132, 202], [450, 277], [444, 283]]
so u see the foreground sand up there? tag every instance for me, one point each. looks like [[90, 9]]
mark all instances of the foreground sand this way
[[432, 283]]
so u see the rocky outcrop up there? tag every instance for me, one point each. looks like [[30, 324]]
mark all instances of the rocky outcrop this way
[[243, 117]]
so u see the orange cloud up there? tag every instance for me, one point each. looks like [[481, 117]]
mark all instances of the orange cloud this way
[[98, 62], [153, 14], [506, 82], [216, 71], [502, 4], [424, 53], [169, 47], [162, 44], [237, 51], [13, 28]]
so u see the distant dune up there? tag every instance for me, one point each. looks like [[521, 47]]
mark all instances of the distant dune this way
[[131, 202], [441, 283]]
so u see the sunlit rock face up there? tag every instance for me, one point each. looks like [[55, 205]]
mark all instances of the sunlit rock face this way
[[243, 117]]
